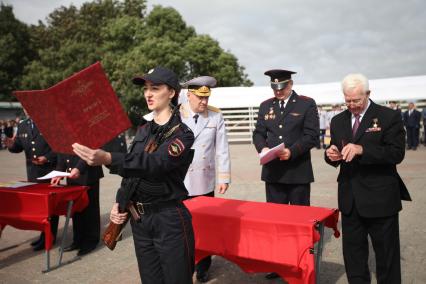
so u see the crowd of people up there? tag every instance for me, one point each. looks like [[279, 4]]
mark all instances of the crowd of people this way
[[181, 152], [8, 129]]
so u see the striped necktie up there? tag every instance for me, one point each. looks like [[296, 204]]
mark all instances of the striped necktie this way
[[356, 125]]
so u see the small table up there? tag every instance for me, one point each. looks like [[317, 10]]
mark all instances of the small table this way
[[30, 208], [263, 237]]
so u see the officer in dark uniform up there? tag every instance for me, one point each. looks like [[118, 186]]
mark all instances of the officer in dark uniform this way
[[40, 160], [153, 184], [86, 224], [293, 120]]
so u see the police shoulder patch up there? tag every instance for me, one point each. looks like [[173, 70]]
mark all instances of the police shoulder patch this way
[[176, 147], [213, 109], [268, 100], [306, 98]]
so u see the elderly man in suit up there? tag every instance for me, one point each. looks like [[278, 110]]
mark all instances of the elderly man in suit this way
[[367, 142], [211, 148]]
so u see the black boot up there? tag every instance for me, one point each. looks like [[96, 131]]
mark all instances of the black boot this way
[[272, 275], [37, 241]]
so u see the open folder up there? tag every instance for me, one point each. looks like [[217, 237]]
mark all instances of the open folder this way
[[82, 108], [271, 154]]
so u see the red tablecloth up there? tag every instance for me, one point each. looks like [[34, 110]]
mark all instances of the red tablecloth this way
[[29, 207], [260, 237]]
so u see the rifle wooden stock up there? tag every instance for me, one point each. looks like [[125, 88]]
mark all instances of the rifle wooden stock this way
[[113, 233]]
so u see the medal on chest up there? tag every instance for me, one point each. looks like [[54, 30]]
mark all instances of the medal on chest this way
[[270, 114]]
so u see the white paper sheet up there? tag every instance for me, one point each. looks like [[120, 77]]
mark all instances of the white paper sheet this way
[[53, 174], [271, 154]]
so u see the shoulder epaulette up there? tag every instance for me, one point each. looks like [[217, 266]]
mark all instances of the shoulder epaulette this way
[[270, 99], [214, 109], [185, 128], [306, 98], [22, 121]]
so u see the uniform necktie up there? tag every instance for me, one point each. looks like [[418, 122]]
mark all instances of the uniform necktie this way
[[356, 125], [196, 118], [282, 105]]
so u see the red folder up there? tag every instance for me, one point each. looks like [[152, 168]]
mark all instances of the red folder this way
[[82, 108]]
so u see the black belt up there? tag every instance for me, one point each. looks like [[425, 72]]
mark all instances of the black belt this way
[[148, 208]]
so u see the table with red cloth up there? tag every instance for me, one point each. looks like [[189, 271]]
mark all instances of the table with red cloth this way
[[30, 207], [262, 237]]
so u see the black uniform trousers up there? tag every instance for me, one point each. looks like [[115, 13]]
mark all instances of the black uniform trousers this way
[[87, 223], [294, 194], [204, 264], [384, 234], [165, 246], [412, 137]]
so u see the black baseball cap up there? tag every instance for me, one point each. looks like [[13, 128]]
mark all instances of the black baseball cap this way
[[159, 75]]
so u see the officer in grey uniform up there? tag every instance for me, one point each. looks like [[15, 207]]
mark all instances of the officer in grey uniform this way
[[293, 120], [40, 160], [211, 149]]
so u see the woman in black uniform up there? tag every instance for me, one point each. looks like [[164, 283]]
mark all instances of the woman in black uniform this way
[[153, 172]]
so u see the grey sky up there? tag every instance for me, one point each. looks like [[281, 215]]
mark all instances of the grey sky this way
[[321, 40]]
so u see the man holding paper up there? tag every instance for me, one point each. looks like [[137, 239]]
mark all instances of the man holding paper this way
[[290, 122], [290, 119]]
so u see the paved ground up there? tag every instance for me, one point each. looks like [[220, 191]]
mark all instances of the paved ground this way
[[19, 264]]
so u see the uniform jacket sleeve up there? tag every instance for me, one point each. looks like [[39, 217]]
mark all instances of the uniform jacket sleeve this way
[[260, 132], [310, 133], [222, 152], [17, 146]]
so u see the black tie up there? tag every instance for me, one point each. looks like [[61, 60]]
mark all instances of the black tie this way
[[196, 118], [282, 105]]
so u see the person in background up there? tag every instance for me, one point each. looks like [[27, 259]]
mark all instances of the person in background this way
[[86, 224], [322, 114], [424, 125], [40, 160], [8, 131], [367, 142], [211, 149], [412, 125]]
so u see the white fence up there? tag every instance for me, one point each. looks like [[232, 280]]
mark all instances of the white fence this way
[[240, 122]]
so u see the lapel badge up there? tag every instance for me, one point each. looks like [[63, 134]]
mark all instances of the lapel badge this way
[[270, 114], [375, 127]]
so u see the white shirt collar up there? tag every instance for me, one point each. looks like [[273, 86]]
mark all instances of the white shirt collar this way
[[149, 116], [361, 115]]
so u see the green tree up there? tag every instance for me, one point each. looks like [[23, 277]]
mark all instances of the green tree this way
[[128, 41], [15, 53], [204, 56]]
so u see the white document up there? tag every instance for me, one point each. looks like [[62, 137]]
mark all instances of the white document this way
[[271, 154], [53, 174]]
